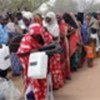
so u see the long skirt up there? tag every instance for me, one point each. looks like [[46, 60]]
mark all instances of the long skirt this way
[[74, 61], [65, 62], [16, 66], [55, 70], [38, 87], [82, 55]]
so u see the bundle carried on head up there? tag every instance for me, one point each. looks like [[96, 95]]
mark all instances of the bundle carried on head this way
[[70, 20]]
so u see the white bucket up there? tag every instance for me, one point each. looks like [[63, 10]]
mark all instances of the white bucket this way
[[5, 62], [38, 65]]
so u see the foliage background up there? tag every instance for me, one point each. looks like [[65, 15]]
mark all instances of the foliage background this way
[[61, 5]]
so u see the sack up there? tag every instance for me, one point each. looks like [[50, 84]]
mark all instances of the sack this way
[[16, 66], [49, 95], [38, 64], [4, 58]]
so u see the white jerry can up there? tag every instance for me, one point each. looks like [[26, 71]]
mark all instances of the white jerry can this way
[[5, 62], [38, 65]]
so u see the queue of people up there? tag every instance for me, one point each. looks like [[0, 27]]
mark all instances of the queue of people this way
[[77, 34]]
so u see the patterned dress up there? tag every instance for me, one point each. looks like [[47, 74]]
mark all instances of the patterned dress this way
[[39, 85], [65, 62], [28, 44]]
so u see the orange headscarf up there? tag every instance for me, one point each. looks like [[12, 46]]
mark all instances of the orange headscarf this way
[[37, 19]]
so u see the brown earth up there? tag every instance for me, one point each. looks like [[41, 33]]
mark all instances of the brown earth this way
[[85, 85]]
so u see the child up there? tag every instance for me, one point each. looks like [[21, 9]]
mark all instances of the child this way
[[89, 54]]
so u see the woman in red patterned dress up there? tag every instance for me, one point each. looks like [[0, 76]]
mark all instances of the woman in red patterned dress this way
[[34, 39], [55, 65], [65, 62]]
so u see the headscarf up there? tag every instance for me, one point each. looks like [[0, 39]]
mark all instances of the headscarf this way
[[80, 17], [35, 29], [37, 19], [94, 23], [52, 27], [70, 20]]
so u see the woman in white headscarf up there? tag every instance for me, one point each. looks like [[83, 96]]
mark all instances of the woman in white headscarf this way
[[52, 25], [55, 65]]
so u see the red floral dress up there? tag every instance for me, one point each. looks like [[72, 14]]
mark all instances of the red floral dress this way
[[28, 44], [65, 62]]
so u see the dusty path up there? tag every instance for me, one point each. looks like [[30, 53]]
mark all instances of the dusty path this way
[[85, 85]]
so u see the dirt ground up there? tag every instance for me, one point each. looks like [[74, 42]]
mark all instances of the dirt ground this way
[[85, 84]]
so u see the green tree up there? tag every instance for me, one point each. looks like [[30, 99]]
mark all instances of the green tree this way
[[13, 5], [65, 6], [94, 8]]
